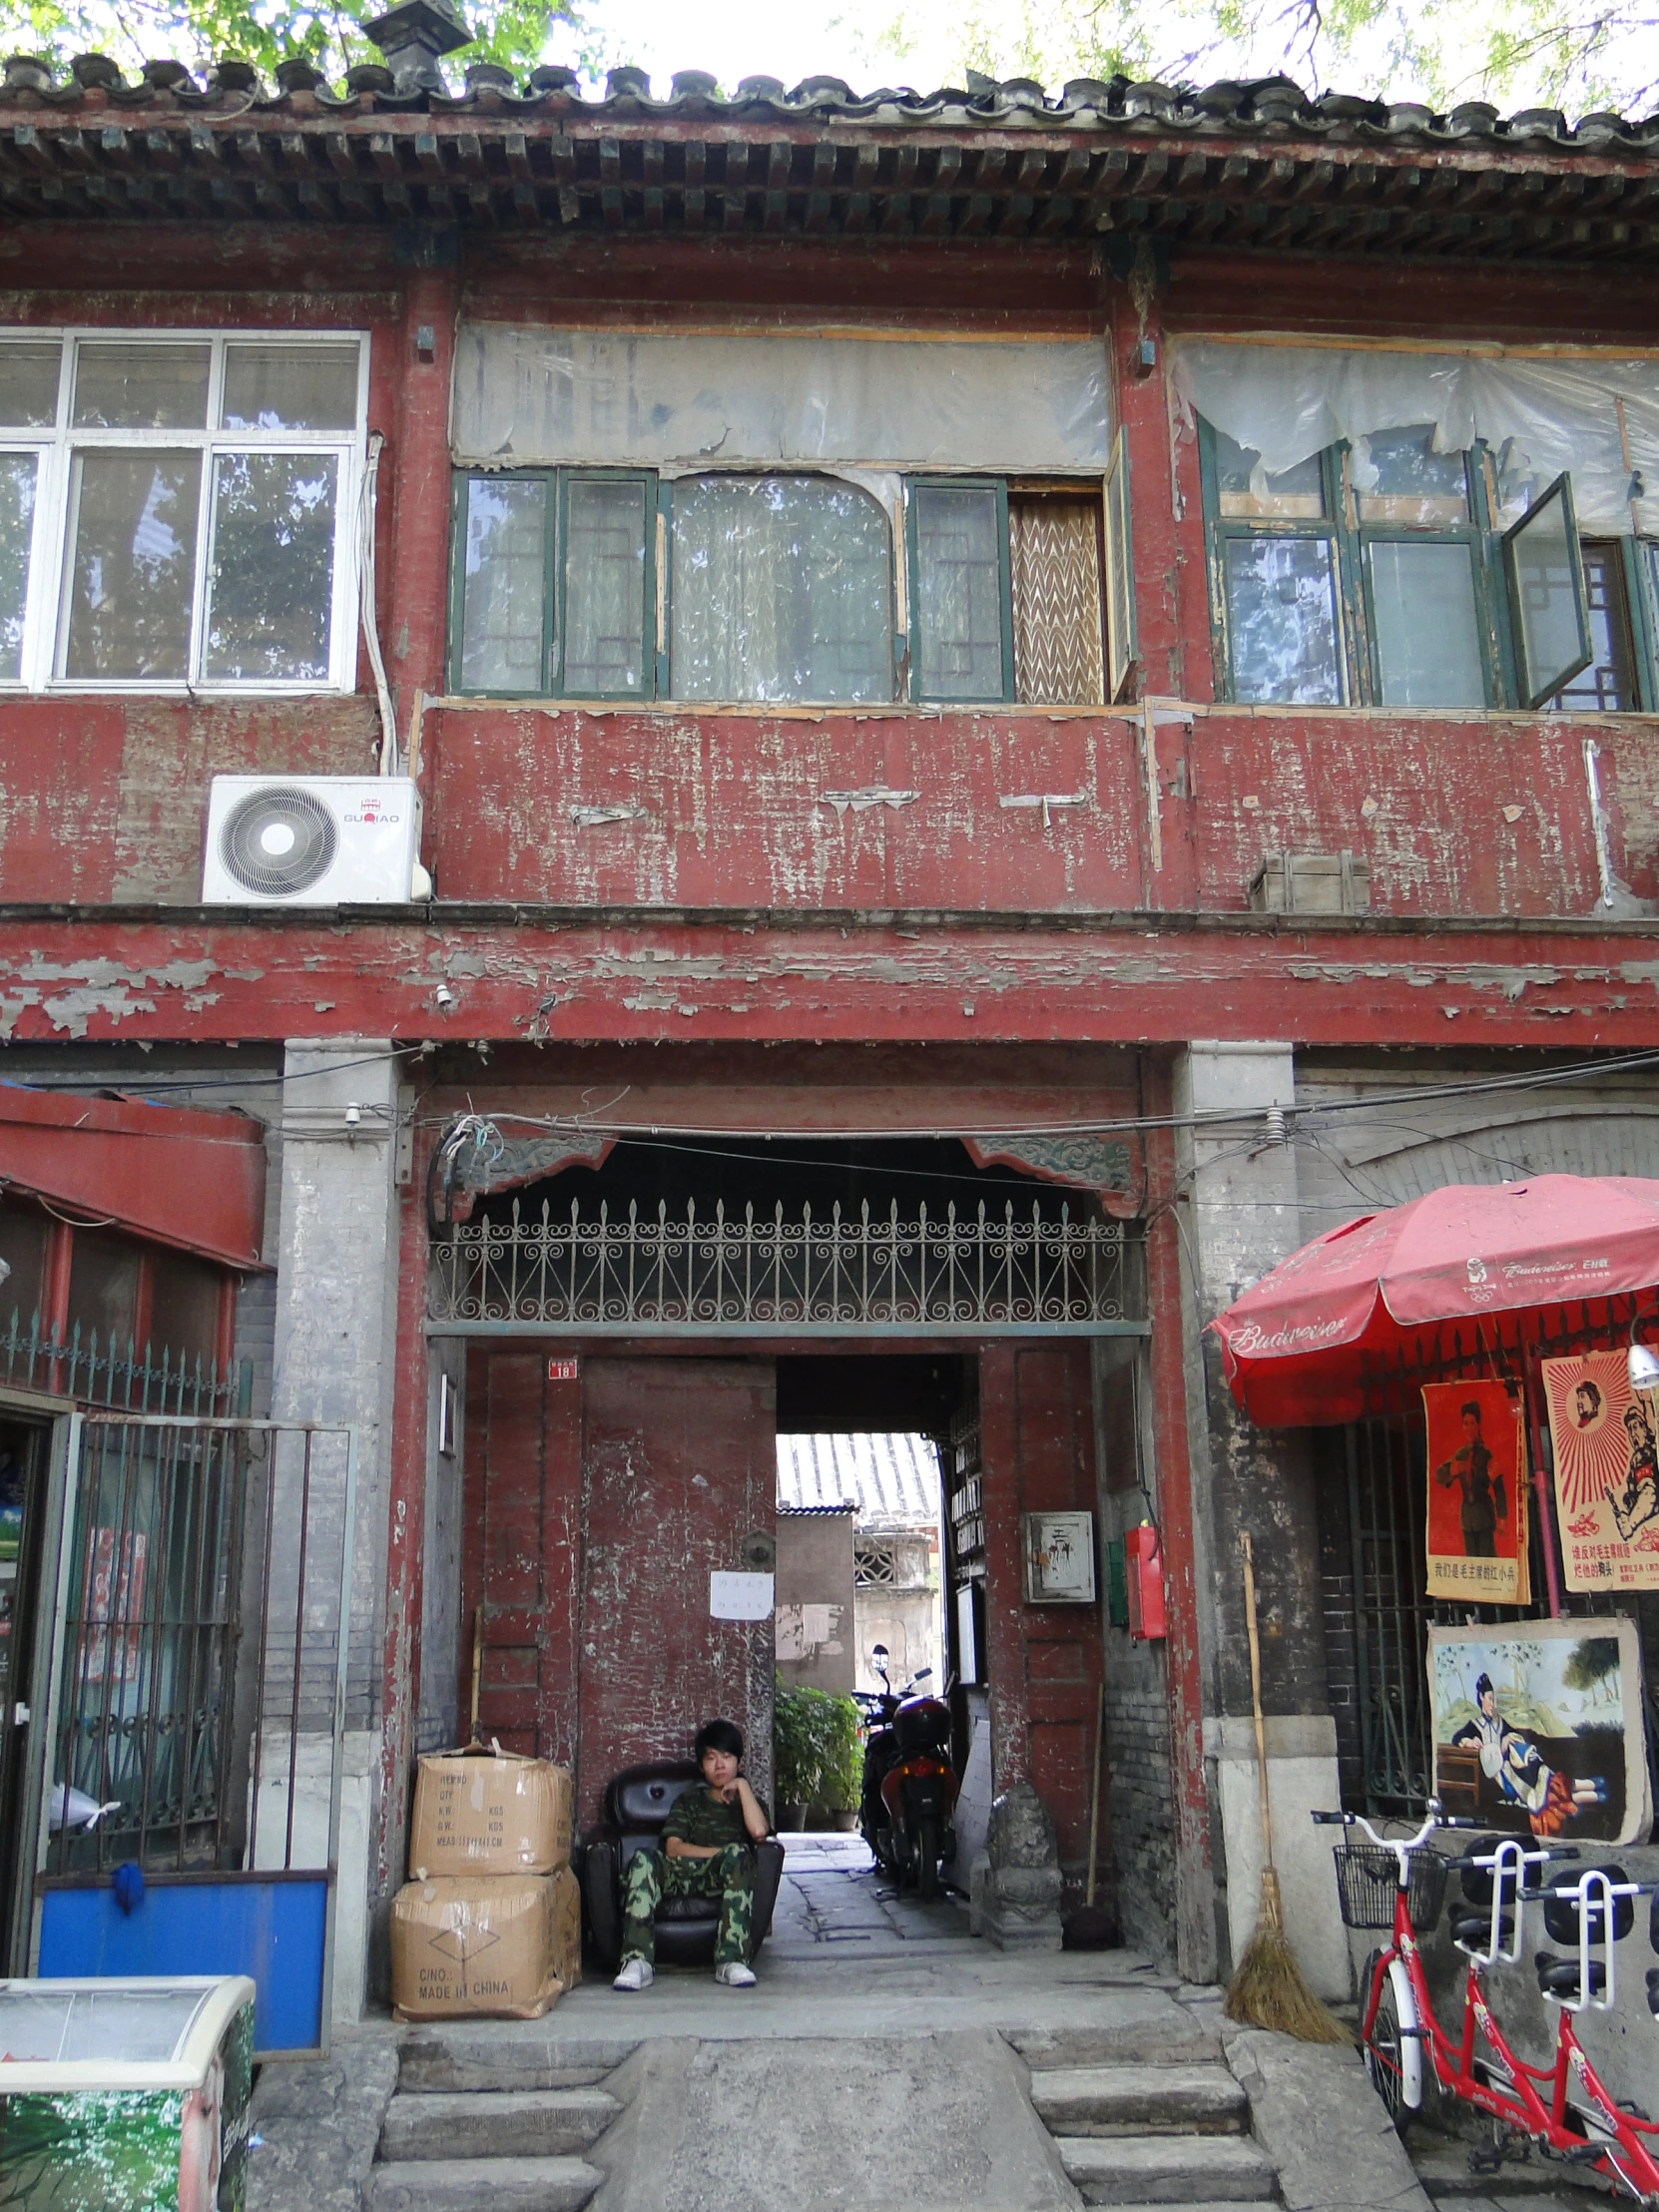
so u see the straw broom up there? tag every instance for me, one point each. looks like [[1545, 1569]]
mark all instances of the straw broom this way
[[1268, 1990]]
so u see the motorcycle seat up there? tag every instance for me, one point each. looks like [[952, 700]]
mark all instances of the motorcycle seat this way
[[1471, 1930], [1558, 1977], [1653, 1990]]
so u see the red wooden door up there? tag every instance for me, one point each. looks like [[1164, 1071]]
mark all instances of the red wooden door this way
[[596, 1510]]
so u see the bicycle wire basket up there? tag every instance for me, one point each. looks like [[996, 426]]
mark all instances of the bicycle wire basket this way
[[1367, 1877]]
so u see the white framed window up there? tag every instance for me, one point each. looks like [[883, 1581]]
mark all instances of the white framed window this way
[[178, 509]]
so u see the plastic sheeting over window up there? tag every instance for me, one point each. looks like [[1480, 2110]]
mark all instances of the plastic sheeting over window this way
[[528, 397], [1595, 419]]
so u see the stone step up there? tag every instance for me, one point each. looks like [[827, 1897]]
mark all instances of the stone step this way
[[506, 2054], [1166, 2169], [483, 2185], [496, 2123], [1139, 2101]]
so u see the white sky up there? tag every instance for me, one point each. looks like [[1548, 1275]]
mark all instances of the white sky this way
[[802, 38]]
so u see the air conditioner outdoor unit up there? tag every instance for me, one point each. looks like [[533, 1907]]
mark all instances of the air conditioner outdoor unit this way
[[312, 840]]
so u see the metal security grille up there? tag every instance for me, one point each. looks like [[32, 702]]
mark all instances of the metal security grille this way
[[199, 1676], [1008, 1273], [1386, 1510]]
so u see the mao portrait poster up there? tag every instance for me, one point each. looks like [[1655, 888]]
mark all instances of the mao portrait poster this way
[[1606, 1474], [1476, 1494], [1538, 1728]]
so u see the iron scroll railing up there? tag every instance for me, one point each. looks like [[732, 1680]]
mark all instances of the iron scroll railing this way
[[1006, 1273]]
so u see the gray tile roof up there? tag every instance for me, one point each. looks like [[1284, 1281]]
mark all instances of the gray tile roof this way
[[893, 1480], [1257, 165]]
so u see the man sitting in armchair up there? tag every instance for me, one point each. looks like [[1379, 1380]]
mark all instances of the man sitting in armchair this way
[[707, 1850]]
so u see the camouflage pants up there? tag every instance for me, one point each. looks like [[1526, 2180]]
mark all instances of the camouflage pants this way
[[653, 1875]]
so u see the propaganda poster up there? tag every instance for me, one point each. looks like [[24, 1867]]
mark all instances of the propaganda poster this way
[[1606, 1474], [1476, 1494]]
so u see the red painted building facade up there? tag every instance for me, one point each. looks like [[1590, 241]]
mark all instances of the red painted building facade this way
[[883, 739]]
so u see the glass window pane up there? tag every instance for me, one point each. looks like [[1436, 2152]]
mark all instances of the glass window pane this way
[[1414, 482], [1296, 494], [289, 387], [184, 1307], [1281, 617], [272, 575], [141, 387], [133, 571], [103, 1287], [1545, 596], [605, 543], [958, 588], [1427, 628], [29, 382], [18, 472], [783, 588], [1608, 685], [504, 584], [23, 1235]]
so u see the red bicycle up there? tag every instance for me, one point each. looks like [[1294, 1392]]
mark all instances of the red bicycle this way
[[1562, 2108]]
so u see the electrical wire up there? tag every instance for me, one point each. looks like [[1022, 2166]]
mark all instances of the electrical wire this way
[[1219, 1118]]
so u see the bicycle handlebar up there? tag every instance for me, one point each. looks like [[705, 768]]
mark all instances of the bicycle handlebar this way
[[1398, 1843]]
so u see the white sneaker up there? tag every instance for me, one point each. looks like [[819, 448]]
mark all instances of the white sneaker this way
[[638, 1973], [735, 1974]]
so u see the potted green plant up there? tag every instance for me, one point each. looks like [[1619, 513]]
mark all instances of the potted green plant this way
[[796, 1751], [841, 1774]]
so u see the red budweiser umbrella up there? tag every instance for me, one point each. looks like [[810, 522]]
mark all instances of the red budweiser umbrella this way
[[1296, 1345]]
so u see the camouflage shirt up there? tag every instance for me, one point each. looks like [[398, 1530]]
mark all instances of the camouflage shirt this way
[[698, 1816]]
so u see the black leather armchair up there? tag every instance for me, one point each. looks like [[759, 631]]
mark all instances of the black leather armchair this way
[[637, 1802]]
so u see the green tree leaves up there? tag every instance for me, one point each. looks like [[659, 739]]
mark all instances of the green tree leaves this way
[[328, 34]]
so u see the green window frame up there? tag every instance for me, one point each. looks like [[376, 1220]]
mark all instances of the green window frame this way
[[495, 648], [550, 680], [1223, 532], [1507, 567], [926, 650]]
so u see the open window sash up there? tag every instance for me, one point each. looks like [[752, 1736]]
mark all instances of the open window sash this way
[[1120, 572], [1550, 609]]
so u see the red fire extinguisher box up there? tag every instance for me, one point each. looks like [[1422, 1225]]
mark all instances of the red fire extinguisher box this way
[[1144, 1566]]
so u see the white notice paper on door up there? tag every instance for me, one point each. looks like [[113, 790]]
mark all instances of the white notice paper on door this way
[[740, 1597]]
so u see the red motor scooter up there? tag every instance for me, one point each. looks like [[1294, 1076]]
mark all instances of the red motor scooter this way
[[909, 1786]]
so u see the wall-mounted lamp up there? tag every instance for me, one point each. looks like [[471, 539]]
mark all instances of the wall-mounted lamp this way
[[426, 342], [1146, 356]]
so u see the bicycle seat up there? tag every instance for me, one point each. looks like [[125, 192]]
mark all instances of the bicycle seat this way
[[1558, 1977], [1477, 1882], [1653, 1990], [1561, 1913], [1472, 1929]]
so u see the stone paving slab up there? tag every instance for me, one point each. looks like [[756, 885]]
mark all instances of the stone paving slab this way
[[931, 2123], [314, 2126], [1315, 2112]]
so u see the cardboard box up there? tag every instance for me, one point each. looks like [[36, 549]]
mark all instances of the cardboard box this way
[[505, 1946], [489, 1812]]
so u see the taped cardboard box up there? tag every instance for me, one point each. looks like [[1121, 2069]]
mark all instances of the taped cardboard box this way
[[505, 1946], [489, 1812]]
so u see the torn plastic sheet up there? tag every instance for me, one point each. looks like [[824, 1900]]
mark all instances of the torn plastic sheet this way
[[534, 397], [1539, 416]]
